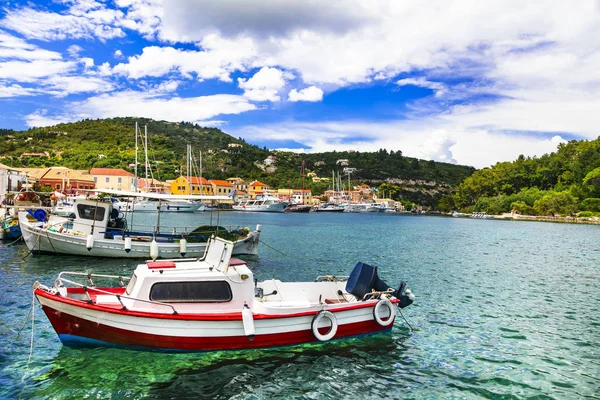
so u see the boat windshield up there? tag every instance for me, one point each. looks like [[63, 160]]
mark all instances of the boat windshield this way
[[131, 284]]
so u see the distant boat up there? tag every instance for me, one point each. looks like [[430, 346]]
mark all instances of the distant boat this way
[[262, 203], [481, 215], [457, 214], [298, 208], [330, 207]]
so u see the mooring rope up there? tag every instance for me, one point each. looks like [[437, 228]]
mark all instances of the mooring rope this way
[[405, 320], [272, 248]]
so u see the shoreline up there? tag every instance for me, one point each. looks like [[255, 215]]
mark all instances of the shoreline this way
[[564, 220]]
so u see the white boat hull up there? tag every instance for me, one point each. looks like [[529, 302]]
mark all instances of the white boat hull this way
[[88, 325], [45, 241]]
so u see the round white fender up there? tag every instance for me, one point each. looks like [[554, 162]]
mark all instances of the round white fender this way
[[127, 244], [315, 325], [89, 242], [153, 250], [383, 303], [182, 247]]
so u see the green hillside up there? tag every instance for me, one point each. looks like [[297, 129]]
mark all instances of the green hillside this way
[[561, 183], [110, 143]]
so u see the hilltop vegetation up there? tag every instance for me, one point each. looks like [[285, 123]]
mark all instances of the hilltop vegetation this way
[[561, 183], [110, 143]]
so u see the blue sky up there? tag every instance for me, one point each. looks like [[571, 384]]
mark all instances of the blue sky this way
[[446, 80]]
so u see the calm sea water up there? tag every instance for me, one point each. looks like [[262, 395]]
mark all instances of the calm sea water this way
[[504, 310]]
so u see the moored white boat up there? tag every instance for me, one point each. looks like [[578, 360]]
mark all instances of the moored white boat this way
[[215, 304], [262, 203], [99, 230]]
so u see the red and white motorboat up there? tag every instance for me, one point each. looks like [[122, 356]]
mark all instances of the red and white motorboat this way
[[214, 304]]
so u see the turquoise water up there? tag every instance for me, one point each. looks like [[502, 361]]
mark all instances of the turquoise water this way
[[504, 310]]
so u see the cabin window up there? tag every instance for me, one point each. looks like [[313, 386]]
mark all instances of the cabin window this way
[[131, 284], [90, 212], [191, 292]]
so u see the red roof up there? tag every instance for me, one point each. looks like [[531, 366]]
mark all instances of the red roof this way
[[110, 172], [197, 180], [257, 183], [218, 182]]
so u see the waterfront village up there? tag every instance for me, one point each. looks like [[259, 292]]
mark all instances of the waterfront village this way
[[73, 182]]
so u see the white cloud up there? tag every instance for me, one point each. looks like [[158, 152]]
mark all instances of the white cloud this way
[[50, 26], [15, 90], [437, 87], [118, 54], [264, 85], [311, 93], [74, 50], [23, 71], [218, 63], [39, 119], [151, 104]]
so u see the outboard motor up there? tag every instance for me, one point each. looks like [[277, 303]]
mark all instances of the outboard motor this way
[[364, 279]]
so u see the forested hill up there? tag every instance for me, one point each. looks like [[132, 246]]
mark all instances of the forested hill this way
[[561, 183], [111, 143]]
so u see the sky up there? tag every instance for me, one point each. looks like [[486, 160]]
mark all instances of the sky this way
[[467, 82]]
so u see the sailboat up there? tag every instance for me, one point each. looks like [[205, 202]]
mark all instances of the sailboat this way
[[300, 208]]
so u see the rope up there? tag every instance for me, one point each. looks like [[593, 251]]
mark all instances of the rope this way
[[405, 320], [32, 326], [14, 241], [24, 322], [272, 248]]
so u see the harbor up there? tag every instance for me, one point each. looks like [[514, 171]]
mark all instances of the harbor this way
[[524, 322]]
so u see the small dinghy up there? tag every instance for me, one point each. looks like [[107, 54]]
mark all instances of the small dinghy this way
[[215, 304]]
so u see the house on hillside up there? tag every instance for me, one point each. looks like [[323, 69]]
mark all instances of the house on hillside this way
[[319, 163], [187, 185], [270, 160], [220, 187], [113, 179], [11, 179], [154, 186], [256, 187], [65, 179]]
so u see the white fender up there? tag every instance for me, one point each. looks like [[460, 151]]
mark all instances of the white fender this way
[[258, 227], [248, 321], [127, 244], [383, 303], [153, 250], [89, 242], [182, 247], [317, 320]]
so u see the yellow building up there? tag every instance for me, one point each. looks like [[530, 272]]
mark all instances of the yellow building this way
[[186, 185], [221, 188], [257, 187]]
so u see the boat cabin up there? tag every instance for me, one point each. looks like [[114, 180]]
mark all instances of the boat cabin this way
[[218, 281], [94, 217]]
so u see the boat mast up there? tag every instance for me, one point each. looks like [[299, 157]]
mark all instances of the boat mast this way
[[146, 153], [136, 157], [302, 182]]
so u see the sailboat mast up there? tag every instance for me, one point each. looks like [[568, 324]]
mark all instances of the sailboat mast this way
[[201, 184], [302, 182], [146, 153], [136, 158]]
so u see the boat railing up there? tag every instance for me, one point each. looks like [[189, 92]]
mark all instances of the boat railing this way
[[60, 281]]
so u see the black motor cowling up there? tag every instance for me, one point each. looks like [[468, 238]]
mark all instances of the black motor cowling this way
[[364, 279]]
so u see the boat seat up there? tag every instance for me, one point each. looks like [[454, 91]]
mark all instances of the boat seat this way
[[106, 299]]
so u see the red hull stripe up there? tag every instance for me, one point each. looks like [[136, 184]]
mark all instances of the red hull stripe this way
[[77, 331], [232, 316]]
